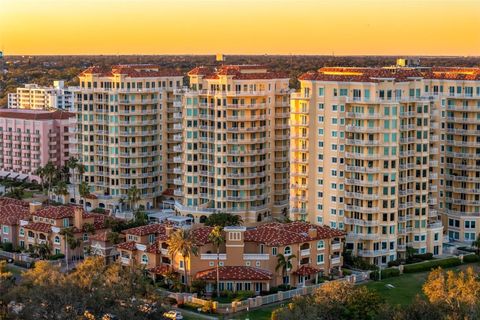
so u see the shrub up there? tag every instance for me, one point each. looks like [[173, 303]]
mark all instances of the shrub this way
[[429, 265], [386, 273], [346, 272], [243, 295], [170, 301], [98, 210], [57, 256], [396, 263], [285, 287], [24, 264], [7, 246], [208, 307], [471, 258], [468, 249], [424, 256]]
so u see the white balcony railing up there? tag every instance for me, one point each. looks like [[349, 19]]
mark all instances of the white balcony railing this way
[[255, 256]]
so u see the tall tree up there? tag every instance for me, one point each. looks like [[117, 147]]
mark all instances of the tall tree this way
[[217, 239], [223, 220], [182, 242], [84, 190], [133, 196], [61, 188], [284, 263]]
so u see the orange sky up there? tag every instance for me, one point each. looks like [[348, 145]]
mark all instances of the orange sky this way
[[391, 27]]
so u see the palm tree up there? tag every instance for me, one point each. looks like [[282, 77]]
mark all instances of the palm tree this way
[[133, 197], [72, 165], [182, 242], [84, 190], [61, 188], [217, 239], [284, 263], [16, 193], [113, 237], [44, 250], [70, 241]]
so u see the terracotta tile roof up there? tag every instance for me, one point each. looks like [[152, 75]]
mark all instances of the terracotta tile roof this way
[[39, 226], [27, 114], [345, 74], [153, 248], [235, 273], [129, 245], [11, 214], [239, 72], [279, 234], [5, 201], [132, 71], [155, 228], [100, 235], [55, 212], [201, 235], [161, 269], [306, 270], [453, 73]]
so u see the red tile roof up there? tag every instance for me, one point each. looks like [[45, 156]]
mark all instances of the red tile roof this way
[[239, 72], [306, 270], [235, 273], [453, 73], [55, 212], [201, 235], [155, 228], [280, 234], [27, 114], [39, 226], [5, 201], [161, 269], [344, 74], [132, 71], [129, 245], [11, 214]]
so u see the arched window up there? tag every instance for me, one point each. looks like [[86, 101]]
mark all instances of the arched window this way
[[57, 240], [287, 250], [320, 244], [144, 259], [22, 231]]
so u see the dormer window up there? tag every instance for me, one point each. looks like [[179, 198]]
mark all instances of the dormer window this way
[[151, 238]]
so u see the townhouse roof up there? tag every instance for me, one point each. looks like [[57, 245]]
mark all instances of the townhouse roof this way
[[128, 245], [101, 235], [235, 273], [354, 74], [155, 228], [28, 114], [201, 235], [5, 201], [11, 214], [55, 212], [39, 226], [280, 234], [132, 71], [238, 72], [306, 270], [161, 269], [347, 74]]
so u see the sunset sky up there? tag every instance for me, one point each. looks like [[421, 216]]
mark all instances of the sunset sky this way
[[342, 27]]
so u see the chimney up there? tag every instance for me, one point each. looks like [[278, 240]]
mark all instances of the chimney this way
[[312, 232], [168, 230], [78, 217], [34, 206]]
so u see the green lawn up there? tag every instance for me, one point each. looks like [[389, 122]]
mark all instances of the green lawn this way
[[407, 286]]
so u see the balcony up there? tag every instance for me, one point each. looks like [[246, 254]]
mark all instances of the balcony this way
[[255, 256], [336, 246], [335, 260], [305, 252], [213, 256], [125, 260], [178, 192]]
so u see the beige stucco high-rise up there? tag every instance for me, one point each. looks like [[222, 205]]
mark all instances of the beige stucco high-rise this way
[[361, 159], [235, 148], [123, 132]]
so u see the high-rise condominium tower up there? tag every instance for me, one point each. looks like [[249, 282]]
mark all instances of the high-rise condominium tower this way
[[235, 149], [123, 131], [362, 158]]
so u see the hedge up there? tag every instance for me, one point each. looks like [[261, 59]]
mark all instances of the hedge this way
[[56, 256], [429, 265], [24, 264], [471, 258], [386, 273]]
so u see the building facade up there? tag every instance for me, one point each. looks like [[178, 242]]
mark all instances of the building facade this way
[[247, 260], [363, 159], [122, 132], [33, 96], [32, 138], [235, 144]]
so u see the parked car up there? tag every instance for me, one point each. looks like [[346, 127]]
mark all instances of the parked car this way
[[175, 315]]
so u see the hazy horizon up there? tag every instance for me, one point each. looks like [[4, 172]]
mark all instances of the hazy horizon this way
[[243, 27]]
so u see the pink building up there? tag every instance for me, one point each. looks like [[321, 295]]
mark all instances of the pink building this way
[[31, 138]]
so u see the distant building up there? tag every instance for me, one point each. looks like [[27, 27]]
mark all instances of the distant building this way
[[31, 138], [33, 96]]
